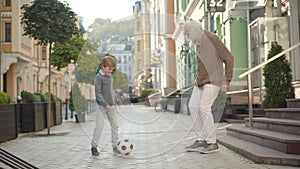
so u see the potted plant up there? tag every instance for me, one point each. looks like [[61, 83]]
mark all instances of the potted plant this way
[[79, 102], [218, 106], [32, 114], [8, 118], [56, 109]]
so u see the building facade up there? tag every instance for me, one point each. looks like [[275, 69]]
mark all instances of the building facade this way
[[246, 27], [24, 63], [122, 48]]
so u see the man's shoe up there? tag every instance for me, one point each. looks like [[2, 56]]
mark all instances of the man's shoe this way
[[196, 146], [209, 148], [94, 151]]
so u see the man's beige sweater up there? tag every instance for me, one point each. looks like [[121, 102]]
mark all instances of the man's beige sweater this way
[[212, 56]]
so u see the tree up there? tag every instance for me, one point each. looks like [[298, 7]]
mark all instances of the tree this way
[[48, 22], [67, 52], [78, 101], [120, 81], [105, 29], [87, 63], [278, 80]]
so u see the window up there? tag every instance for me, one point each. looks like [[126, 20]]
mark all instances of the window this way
[[125, 59], [35, 83], [35, 52], [28, 82], [7, 2], [7, 32], [138, 26], [139, 46], [41, 87], [44, 53]]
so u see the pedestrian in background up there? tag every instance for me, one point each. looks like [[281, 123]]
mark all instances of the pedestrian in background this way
[[212, 55], [106, 104]]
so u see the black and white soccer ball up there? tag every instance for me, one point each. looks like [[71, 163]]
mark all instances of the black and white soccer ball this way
[[125, 146]]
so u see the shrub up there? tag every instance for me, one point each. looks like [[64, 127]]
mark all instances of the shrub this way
[[42, 97], [3, 98], [278, 80], [220, 102], [78, 100], [53, 97], [27, 97], [71, 104], [147, 92]]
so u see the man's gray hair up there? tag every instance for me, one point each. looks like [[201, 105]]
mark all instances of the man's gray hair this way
[[196, 31]]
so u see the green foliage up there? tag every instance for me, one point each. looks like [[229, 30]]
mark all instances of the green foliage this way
[[49, 21], [278, 80], [67, 52], [120, 81], [78, 100], [86, 68], [53, 97], [4, 98], [28, 97], [41, 96], [220, 102], [147, 92], [105, 28], [71, 103], [87, 63], [10, 99]]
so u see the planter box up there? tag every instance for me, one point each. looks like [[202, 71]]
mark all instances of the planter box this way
[[32, 117], [52, 112], [8, 122], [58, 112]]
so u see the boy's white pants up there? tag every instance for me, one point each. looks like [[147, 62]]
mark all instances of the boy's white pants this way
[[111, 116], [200, 104]]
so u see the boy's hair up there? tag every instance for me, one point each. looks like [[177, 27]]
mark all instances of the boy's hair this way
[[108, 61]]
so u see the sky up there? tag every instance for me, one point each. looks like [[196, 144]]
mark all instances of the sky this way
[[92, 9]]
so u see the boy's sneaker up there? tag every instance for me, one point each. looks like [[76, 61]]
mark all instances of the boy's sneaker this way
[[196, 146], [116, 151], [94, 151], [209, 148]]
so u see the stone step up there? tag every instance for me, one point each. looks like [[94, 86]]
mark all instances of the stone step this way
[[286, 143], [283, 113], [293, 103], [280, 125], [244, 116], [258, 153]]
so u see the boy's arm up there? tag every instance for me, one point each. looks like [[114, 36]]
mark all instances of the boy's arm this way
[[99, 97]]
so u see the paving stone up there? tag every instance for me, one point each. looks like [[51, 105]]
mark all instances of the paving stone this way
[[159, 140]]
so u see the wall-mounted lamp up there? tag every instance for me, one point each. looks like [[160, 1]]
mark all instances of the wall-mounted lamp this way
[[186, 53]]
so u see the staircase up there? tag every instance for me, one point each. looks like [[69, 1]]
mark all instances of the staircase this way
[[13, 161], [273, 139]]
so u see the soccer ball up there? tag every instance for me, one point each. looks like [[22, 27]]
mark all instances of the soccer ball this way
[[125, 146]]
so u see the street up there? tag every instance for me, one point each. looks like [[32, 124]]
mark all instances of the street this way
[[159, 139]]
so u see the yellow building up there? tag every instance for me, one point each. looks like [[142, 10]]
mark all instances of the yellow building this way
[[24, 64]]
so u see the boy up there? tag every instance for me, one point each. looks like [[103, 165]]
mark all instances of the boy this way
[[106, 104]]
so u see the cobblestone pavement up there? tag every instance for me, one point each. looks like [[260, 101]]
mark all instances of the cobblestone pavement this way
[[159, 140]]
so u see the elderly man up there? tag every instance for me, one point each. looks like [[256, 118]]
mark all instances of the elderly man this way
[[212, 55]]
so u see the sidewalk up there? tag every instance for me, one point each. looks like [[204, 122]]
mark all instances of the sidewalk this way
[[159, 140]]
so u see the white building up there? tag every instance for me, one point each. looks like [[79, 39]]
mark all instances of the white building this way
[[122, 49]]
